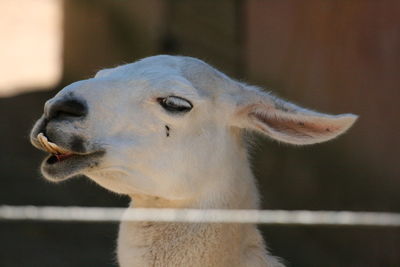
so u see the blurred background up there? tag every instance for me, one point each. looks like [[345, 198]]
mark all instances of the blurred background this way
[[332, 56]]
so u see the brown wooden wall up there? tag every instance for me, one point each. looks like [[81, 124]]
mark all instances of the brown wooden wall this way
[[332, 56], [337, 56]]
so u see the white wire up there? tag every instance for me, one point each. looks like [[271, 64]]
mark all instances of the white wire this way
[[280, 217]]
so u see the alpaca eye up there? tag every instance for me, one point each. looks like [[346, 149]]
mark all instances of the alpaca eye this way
[[175, 104]]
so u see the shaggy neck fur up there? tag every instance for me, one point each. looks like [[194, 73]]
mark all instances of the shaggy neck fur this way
[[181, 244]]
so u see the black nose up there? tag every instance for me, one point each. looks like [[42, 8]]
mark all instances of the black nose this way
[[66, 108]]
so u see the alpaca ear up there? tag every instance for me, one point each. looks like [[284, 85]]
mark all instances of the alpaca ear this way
[[286, 122]]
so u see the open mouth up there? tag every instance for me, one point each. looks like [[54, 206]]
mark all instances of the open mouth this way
[[63, 163], [58, 153]]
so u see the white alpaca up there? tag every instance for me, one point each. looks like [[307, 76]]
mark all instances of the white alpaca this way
[[168, 132]]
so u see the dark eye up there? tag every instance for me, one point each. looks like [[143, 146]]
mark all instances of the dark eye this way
[[175, 104]]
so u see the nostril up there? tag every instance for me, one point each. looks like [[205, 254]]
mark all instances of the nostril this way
[[67, 108]]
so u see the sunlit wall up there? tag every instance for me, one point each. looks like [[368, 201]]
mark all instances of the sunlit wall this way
[[30, 44]]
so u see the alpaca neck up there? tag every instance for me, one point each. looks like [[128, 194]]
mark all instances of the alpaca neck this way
[[174, 244], [191, 244]]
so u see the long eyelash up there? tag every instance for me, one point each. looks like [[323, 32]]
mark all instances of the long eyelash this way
[[174, 107], [179, 102]]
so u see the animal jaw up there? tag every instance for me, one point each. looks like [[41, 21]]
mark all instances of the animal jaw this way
[[167, 131]]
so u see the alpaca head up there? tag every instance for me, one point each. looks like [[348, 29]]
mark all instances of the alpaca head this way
[[159, 126]]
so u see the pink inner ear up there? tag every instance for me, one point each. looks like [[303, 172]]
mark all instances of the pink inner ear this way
[[296, 128]]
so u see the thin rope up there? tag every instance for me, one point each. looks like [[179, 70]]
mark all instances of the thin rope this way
[[277, 217]]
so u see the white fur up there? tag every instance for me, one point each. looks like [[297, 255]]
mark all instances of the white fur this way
[[201, 164]]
